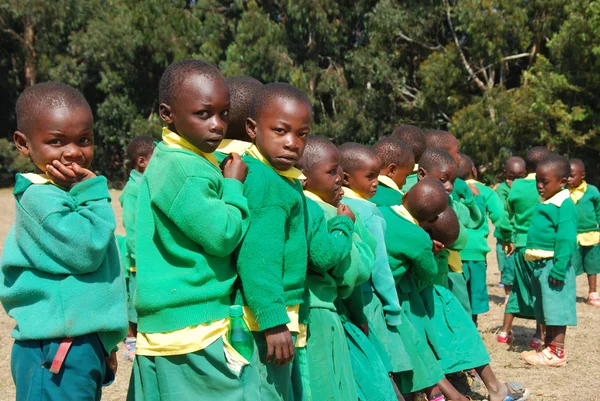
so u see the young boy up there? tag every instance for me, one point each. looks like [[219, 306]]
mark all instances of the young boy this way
[[415, 139], [397, 162], [190, 219], [587, 202], [61, 277], [523, 201], [550, 246], [272, 258], [475, 252], [139, 152], [361, 167]]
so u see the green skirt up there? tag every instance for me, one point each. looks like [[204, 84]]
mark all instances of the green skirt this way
[[276, 382], [458, 285], [586, 259], [451, 332], [553, 305], [520, 300], [474, 272]]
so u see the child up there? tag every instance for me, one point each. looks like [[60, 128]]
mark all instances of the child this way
[[361, 167], [415, 139], [550, 246], [474, 254], [397, 162], [139, 152], [61, 277], [242, 89], [273, 255], [190, 218], [523, 200], [587, 202]]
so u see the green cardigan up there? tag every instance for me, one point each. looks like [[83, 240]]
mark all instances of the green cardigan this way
[[128, 200], [588, 210], [386, 196], [272, 258], [61, 275], [503, 190], [189, 221], [523, 201]]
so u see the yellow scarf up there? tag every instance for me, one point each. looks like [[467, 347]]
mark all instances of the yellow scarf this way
[[228, 146], [174, 140], [415, 168], [349, 193], [558, 199], [292, 174], [39, 179], [473, 182], [530, 176], [388, 182], [577, 193], [401, 210], [317, 198]]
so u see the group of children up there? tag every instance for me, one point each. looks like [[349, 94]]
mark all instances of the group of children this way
[[359, 270]]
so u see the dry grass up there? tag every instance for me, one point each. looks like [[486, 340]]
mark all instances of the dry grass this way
[[578, 381]]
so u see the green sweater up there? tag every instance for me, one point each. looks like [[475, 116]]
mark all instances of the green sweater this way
[[128, 201], [386, 196], [189, 221], [477, 244], [61, 275], [475, 204], [522, 201], [273, 256], [411, 180], [588, 210], [554, 228], [503, 190]]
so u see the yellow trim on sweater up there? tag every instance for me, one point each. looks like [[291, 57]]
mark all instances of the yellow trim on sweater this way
[[473, 182], [38, 179], [577, 193], [388, 182], [302, 337], [292, 312], [228, 146], [317, 198], [530, 176], [415, 168], [588, 239], [558, 199], [401, 210], [174, 140], [349, 193], [293, 173], [538, 254]]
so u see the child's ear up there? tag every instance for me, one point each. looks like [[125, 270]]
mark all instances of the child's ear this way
[[164, 111], [474, 172], [583, 176], [142, 162], [251, 129], [21, 142], [345, 180], [563, 182], [421, 173], [391, 169]]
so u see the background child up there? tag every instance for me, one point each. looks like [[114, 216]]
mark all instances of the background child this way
[[413, 136], [523, 200], [550, 245], [190, 218], [139, 152], [272, 257], [61, 279], [397, 162], [586, 257]]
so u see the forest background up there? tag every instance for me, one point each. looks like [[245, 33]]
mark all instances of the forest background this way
[[502, 75]]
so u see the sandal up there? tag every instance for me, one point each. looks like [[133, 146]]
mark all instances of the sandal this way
[[593, 299], [535, 343], [505, 337], [516, 392]]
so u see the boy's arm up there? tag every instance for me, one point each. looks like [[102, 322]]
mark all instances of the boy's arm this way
[[424, 267], [216, 223], [474, 203], [596, 203], [128, 204], [566, 239], [260, 266], [499, 217], [461, 241], [73, 229]]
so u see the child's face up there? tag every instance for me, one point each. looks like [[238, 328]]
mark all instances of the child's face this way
[[548, 182], [446, 173], [514, 171], [323, 178], [577, 175], [280, 132], [62, 134], [400, 173], [200, 112], [363, 180]]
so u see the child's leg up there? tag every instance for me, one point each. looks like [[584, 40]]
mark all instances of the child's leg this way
[[592, 278], [449, 391], [80, 377], [498, 390]]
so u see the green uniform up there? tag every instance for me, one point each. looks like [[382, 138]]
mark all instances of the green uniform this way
[[586, 258], [411, 180], [504, 262], [386, 196]]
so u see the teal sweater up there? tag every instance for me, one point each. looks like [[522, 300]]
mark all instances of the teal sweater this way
[[523, 201], [189, 221], [503, 190], [588, 210], [555, 229], [61, 275], [477, 245], [273, 256], [382, 281], [128, 201], [386, 196], [475, 204], [411, 180]]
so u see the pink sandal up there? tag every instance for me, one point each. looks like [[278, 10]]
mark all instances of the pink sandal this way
[[535, 343], [505, 337]]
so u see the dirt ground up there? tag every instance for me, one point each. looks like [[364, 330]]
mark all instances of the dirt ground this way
[[578, 381]]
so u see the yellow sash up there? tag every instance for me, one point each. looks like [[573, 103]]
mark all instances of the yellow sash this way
[[388, 182], [293, 173], [174, 140]]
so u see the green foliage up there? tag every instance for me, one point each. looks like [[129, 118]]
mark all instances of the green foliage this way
[[503, 75], [11, 161]]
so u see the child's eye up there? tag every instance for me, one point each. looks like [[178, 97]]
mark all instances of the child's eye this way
[[303, 134], [202, 114], [54, 142], [85, 141], [279, 131], [225, 113]]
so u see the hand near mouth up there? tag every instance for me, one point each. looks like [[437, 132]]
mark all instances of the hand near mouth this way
[[67, 176]]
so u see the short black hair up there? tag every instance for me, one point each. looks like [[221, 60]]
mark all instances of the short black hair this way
[[579, 162], [559, 164], [391, 150], [515, 160], [439, 139], [426, 197], [353, 154], [139, 146], [446, 228], [413, 136], [242, 90], [44, 96], [313, 151], [275, 91], [465, 167], [534, 157], [176, 74], [432, 158]]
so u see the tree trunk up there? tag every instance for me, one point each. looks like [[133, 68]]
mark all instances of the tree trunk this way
[[30, 54]]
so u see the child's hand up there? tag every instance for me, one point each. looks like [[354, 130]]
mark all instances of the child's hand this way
[[474, 189], [437, 246], [509, 248], [364, 328], [67, 176], [234, 167], [111, 361], [554, 282], [344, 210], [280, 347]]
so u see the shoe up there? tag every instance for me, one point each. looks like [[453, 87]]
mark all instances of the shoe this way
[[504, 337], [535, 343], [593, 299], [544, 358], [524, 354]]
